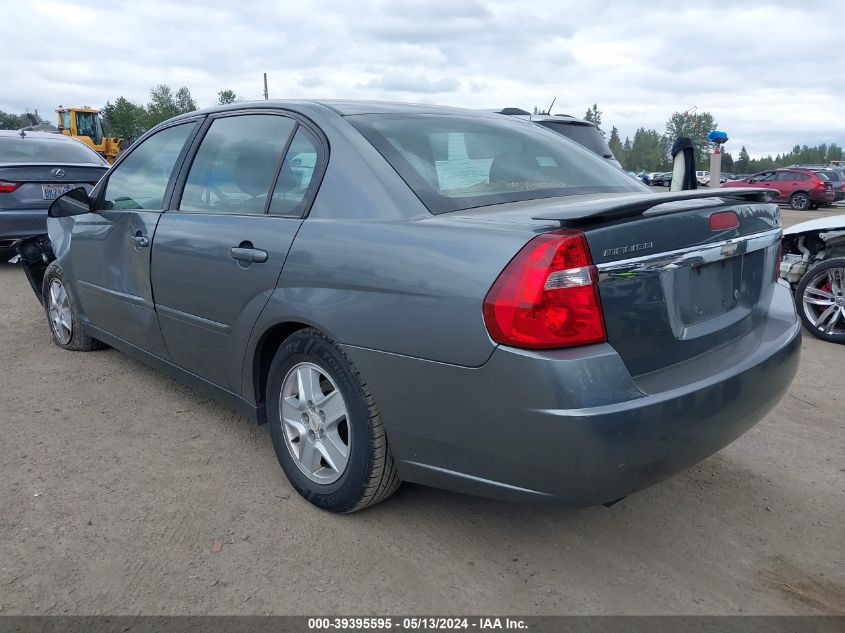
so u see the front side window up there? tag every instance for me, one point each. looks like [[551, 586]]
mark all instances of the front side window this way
[[766, 176], [140, 180], [457, 162], [236, 164]]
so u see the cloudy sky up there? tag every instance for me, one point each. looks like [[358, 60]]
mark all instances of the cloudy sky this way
[[767, 70]]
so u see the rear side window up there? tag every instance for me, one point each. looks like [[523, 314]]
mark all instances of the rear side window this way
[[236, 164], [457, 162], [140, 180], [788, 175], [32, 149], [290, 194]]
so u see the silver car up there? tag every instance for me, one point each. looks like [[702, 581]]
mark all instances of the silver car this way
[[428, 294], [35, 169]]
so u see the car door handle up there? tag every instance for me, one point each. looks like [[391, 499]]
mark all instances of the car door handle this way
[[248, 254], [141, 241]]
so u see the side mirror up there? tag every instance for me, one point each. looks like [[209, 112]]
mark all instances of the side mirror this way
[[74, 202]]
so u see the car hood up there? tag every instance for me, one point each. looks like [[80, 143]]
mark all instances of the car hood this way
[[822, 224]]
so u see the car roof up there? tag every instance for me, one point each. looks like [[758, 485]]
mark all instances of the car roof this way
[[535, 118], [51, 137], [41, 135], [343, 107]]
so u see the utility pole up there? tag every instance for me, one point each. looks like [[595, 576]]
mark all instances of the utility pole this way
[[266, 95]]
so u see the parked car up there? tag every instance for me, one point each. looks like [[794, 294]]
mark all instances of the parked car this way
[[703, 178], [814, 265], [649, 177], [801, 188], [449, 297], [583, 132], [35, 169], [662, 179], [835, 175]]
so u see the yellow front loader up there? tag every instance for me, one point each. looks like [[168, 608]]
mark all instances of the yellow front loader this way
[[84, 124]]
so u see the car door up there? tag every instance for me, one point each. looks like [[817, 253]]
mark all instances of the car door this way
[[110, 254], [787, 182], [220, 249]]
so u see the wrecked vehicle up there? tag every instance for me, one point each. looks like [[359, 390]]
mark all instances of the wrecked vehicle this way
[[428, 294], [814, 265]]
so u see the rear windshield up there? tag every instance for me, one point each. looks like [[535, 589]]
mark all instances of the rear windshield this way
[[585, 135], [459, 162], [31, 149]]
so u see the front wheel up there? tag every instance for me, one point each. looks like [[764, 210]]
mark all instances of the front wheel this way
[[821, 300], [326, 430], [799, 201], [63, 313]]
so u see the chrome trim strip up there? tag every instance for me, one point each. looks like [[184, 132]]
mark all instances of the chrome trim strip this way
[[691, 255]]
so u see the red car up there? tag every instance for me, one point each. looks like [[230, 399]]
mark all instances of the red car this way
[[801, 188]]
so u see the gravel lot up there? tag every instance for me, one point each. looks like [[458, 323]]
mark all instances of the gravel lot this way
[[118, 488]]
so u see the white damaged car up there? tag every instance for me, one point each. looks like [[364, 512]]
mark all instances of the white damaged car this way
[[814, 265]]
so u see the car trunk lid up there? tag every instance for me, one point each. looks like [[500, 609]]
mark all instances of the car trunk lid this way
[[679, 274], [37, 185]]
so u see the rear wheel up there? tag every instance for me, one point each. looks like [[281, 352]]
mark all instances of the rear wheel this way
[[63, 313], [821, 300], [325, 427], [799, 200]]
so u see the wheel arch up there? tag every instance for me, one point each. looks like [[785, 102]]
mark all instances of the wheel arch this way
[[269, 341]]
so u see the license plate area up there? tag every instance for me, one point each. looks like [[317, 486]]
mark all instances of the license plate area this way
[[708, 290], [51, 192]]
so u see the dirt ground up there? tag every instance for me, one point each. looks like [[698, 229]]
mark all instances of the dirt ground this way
[[118, 488]]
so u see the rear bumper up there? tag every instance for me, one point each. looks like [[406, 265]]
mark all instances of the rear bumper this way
[[16, 224], [573, 426]]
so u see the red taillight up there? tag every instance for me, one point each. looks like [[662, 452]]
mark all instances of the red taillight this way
[[547, 296], [724, 220], [8, 187]]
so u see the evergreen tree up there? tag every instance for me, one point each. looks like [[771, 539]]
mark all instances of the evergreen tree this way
[[227, 96], [743, 162], [614, 142], [124, 119], [593, 115], [695, 126]]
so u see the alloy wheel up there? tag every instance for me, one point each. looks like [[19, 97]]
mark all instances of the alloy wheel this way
[[315, 424], [824, 301], [800, 201], [58, 307]]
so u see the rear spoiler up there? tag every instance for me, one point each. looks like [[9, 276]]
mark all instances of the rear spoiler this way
[[638, 204]]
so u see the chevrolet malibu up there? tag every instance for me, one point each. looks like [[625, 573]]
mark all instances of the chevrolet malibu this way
[[428, 294]]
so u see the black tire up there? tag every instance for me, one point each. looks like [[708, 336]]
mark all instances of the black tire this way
[[815, 205], [808, 278], [370, 475], [800, 200], [78, 341]]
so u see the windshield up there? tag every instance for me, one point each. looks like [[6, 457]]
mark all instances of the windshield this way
[[457, 162], [585, 135], [32, 149]]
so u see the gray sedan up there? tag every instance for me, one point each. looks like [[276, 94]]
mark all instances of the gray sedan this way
[[35, 169], [428, 294]]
